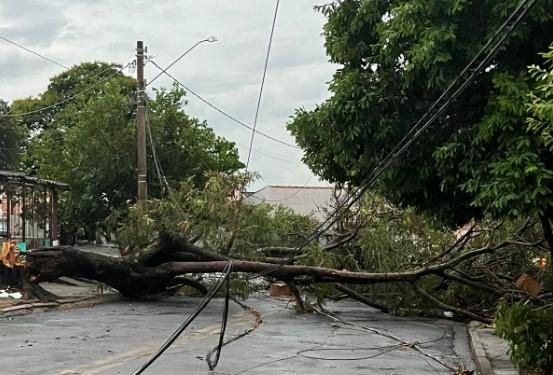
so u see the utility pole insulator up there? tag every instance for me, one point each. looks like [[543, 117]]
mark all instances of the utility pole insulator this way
[[141, 122]]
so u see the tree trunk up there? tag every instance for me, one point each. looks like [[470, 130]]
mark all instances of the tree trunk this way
[[129, 278], [17, 278]]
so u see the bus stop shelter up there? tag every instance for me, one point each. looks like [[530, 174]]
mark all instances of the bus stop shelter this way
[[28, 210]]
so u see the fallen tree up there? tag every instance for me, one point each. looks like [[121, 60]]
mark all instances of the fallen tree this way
[[388, 257], [172, 261]]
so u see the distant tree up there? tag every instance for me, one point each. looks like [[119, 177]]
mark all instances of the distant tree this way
[[398, 56]]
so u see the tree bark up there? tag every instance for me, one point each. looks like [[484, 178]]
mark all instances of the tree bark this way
[[129, 278]]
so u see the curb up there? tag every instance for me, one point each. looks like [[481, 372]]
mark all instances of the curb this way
[[483, 365], [67, 303]]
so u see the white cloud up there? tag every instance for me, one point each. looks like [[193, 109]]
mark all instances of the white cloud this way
[[228, 72]]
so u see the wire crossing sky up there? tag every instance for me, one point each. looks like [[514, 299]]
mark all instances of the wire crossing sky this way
[[226, 73]]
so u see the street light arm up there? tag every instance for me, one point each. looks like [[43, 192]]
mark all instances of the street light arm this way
[[210, 40]]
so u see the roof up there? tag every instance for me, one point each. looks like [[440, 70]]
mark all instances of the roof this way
[[22, 177], [305, 200]]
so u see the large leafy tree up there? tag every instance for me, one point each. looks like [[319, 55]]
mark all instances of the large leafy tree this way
[[89, 142], [398, 56]]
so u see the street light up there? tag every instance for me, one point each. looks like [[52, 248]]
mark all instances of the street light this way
[[211, 39]]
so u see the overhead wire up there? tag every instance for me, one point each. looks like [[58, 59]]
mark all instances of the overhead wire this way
[[7, 114], [270, 155], [222, 112], [33, 52], [159, 169], [299, 189], [380, 350], [211, 363], [89, 88], [262, 85]]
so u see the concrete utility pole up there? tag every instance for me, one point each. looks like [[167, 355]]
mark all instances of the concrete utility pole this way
[[141, 122]]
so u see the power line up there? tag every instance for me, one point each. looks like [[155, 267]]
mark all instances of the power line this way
[[72, 96], [444, 95], [262, 84], [33, 52], [230, 117], [270, 155], [159, 170], [304, 186]]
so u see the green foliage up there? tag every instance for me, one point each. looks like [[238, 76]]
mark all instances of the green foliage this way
[[396, 57], [509, 169], [393, 239], [10, 140], [63, 87], [90, 143], [530, 335], [214, 215]]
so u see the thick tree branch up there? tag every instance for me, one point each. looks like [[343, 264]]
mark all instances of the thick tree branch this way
[[445, 306], [361, 298]]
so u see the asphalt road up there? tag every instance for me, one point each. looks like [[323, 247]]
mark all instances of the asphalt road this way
[[116, 338]]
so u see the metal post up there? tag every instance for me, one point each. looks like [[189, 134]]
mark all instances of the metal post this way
[[9, 208], [45, 199], [34, 233], [23, 212], [141, 122], [54, 232]]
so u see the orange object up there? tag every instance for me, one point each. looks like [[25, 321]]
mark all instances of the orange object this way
[[280, 290], [528, 284], [543, 262], [10, 255]]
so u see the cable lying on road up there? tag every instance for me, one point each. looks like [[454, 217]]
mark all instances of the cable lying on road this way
[[460, 369], [224, 278], [218, 348], [379, 351]]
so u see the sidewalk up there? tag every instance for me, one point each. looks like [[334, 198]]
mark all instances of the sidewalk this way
[[72, 293], [489, 351]]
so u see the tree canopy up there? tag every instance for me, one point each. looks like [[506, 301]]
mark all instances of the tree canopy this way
[[395, 58], [89, 141]]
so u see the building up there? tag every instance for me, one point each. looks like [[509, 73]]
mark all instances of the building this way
[[315, 201], [28, 210]]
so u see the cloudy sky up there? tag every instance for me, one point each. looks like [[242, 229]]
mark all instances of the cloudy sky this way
[[227, 73]]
